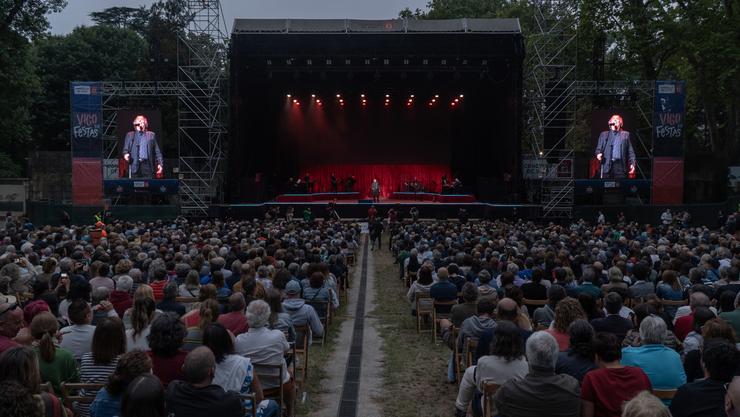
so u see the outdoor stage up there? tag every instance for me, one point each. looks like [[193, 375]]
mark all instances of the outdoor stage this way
[[396, 197]]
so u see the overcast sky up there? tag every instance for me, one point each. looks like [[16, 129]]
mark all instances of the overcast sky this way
[[76, 12]]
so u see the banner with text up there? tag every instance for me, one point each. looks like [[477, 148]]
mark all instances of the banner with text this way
[[668, 118], [86, 131]]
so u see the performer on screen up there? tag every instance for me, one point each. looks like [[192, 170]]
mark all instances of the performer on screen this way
[[141, 151], [615, 151]]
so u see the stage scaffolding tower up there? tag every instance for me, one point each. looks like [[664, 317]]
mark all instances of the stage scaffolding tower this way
[[202, 107], [550, 99]]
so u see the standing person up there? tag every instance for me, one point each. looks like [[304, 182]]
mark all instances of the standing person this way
[[414, 212], [372, 213], [376, 231], [375, 190], [334, 183], [351, 181], [666, 218], [307, 215], [615, 151], [141, 151]]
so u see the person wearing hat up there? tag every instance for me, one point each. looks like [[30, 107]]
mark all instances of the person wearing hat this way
[[301, 313]]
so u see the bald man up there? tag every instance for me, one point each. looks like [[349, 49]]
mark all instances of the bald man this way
[[11, 322], [197, 395], [506, 310], [732, 398]]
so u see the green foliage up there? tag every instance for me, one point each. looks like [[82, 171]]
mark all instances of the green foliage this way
[[86, 54], [27, 18], [8, 167], [18, 85]]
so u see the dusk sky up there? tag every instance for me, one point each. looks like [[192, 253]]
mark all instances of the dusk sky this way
[[76, 12]]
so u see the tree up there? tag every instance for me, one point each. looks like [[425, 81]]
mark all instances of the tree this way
[[27, 18], [86, 54]]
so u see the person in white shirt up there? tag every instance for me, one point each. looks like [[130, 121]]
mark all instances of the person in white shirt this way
[[77, 338], [666, 218]]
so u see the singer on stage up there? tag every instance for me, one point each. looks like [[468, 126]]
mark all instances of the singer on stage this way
[[615, 151], [141, 151]]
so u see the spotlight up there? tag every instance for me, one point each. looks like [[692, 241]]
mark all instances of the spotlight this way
[[313, 95], [295, 101], [289, 96], [461, 96], [412, 96], [436, 96], [387, 95], [434, 100], [339, 95], [457, 100], [362, 95], [453, 104]]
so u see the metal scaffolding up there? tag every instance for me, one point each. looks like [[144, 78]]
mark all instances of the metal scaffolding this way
[[202, 108], [551, 103]]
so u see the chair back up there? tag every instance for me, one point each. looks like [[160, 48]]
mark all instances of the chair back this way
[[471, 345], [424, 303], [321, 307], [447, 306], [72, 392], [270, 375], [301, 336], [534, 303], [252, 411], [489, 388], [664, 394]]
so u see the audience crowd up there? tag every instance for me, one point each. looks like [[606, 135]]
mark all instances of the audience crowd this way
[[163, 319]]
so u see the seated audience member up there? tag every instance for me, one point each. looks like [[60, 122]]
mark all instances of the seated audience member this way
[[197, 395], [121, 296], [684, 325], [19, 366], [192, 317], [645, 405], [506, 310], [633, 336], [473, 326], [279, 320], [101, 279], [613, 323], [543, 316], [143, 291], [301, 314], [422, 284], [713, 330], [641, 288], [158, 282], [443, 289], [720, 360], [588, 285], [579, 358], [694, 339], [56, 364], [264, 346], [588, 304], [535, 290], [144, 397], [130, 365], [732, 398], [141, 319], [30, 311], [101, 305], [77, 338], [316, 290], [541, 392], [733, 316], [616, 281], [191, 286], [208, 315], [235, 372], [567, 311], [235, 320], [96, 366], [469, 306], [669, 288], [604, 390], [166, 338], [505, 362], [485, 289], [169, 300], [661, 364]]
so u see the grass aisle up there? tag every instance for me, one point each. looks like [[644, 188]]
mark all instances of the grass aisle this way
[[414, 375]]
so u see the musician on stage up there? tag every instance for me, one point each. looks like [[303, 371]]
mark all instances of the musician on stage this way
[[350, 184], [375, 190], [334, 183], [141, 151], [615, 151]]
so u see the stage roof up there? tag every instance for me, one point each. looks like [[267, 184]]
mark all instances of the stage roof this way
[[399, 26]]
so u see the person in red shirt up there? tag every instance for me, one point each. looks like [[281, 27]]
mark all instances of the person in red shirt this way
[[684, 325], [160, 280], [235, 320], [604, 390], [165, 341]]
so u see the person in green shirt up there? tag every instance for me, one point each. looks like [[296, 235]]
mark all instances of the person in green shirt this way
[[56, 364], [307, 215], [733, 317]]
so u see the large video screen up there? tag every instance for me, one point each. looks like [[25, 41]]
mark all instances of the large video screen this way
[[140, 148]]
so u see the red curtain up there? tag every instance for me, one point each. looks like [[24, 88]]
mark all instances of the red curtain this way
[[391, 177]]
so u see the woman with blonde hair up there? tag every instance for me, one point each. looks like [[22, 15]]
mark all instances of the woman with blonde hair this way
[[567, 311], [192, 317], [143, 291], [56, 364], [208, 313], [645, 404]]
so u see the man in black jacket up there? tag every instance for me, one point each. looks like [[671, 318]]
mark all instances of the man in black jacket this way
[[197, 396]]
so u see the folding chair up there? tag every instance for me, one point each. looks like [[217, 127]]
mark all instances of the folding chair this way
[[424, 308], [253, 400], [665, 394], [471, 345], [271, 380], [410, 278], [72, 393], [456, 354], [437, 315], [301, 350], [323, 309], [489, 388]]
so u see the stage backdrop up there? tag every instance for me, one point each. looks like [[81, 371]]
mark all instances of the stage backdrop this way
[[125, 120], [86, 120]]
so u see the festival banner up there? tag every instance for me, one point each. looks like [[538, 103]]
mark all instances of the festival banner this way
[[668, 118], [86, 132]]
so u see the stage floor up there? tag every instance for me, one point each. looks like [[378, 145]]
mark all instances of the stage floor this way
[[395, 197]]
